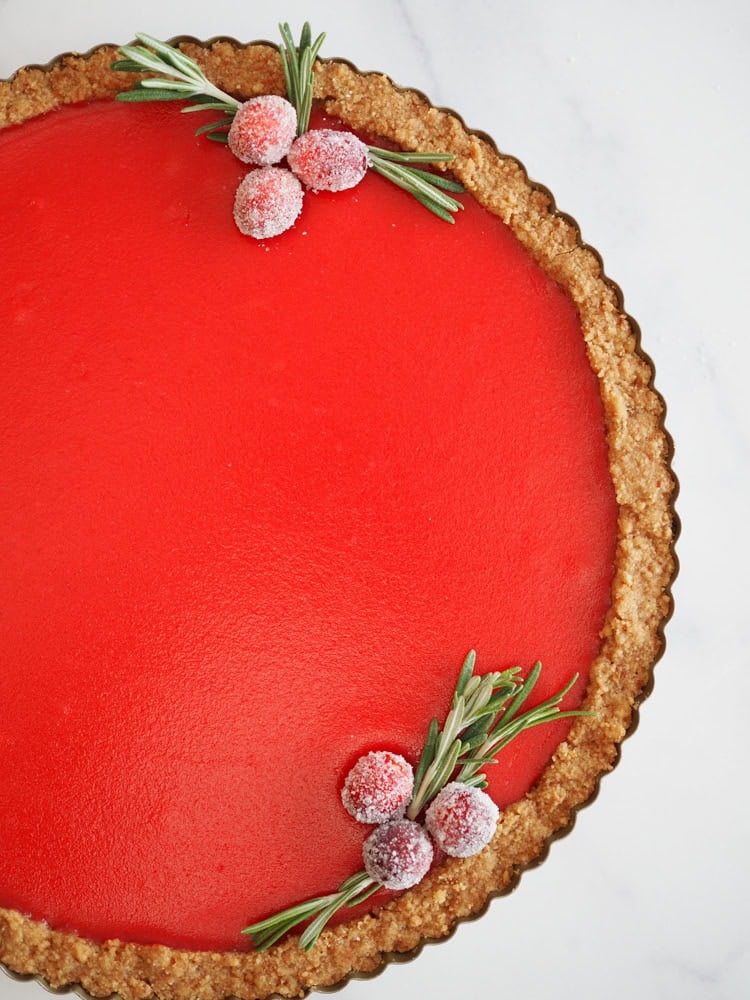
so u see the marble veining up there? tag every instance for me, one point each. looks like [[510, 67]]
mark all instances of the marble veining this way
[[419, 45]]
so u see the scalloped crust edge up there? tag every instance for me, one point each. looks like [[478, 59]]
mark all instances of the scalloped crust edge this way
[[640, 454]]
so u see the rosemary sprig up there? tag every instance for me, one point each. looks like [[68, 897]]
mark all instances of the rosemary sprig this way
[[181, 79], [509, 723], [485, 715], [477, 703], [425, 186], [297, 61], [352, 891]]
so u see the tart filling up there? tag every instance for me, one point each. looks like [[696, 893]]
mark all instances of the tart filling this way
[[263, 498]]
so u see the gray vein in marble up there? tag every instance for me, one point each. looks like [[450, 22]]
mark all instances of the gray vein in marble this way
[[712, 978], [420, 47], [731, 412]]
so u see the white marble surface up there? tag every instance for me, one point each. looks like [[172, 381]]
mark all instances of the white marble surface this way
[[635, 115]]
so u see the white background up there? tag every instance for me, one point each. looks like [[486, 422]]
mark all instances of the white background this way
[[635, 114]]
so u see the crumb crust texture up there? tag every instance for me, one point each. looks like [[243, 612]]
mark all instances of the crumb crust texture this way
[[632, 639]]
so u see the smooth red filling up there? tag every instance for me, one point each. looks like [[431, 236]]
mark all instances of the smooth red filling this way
[[258, 501]]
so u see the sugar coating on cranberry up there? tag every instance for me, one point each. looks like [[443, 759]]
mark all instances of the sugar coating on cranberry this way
[[378, 787], [461, 819], [263, 129], [327, 160], [267, 202], [398, 854]]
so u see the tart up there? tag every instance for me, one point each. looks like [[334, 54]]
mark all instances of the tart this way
[[261, 497]]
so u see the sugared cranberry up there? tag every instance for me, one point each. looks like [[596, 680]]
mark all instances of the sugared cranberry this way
[[327, 160], [398, 854], [378, 787], [461, 819], [267, 202], [263, 129]]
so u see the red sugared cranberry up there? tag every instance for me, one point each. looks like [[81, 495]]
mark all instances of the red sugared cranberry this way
[[267, 202], [461, 819], [327, 160], [378, 787], [398, 854], [263, 130]]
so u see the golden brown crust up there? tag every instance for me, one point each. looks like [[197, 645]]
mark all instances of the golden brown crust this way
[[632, 636]]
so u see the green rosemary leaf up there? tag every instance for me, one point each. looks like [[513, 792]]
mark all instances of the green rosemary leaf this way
[[213, 126], [172, 56], [304, 105], [452, 727], [305, 38], [436, 180], [476, 703], [472, 687], [297, 62], [127, 66], [442, 773], [424, 185], [288, 53], [501, 697], [139, 54], [267, 932], [203, 103], [314, 929], [523, 692], [506, 729], [561, 694], [423, 181], [183, 87], [365, 895], [353, 887], [477, 761], [507, 734], [466, 673], [428, 753], [308, 83], [398, 156], [187, 79], [352, 881], [553, 716], [475, 781], [149, 95], [484, 718], [222, 137], [441, 181], [263, 940], [474, 737], [298, 911], [315, 48], [417, 183], [433, 207], [551, 703], [147, 61]]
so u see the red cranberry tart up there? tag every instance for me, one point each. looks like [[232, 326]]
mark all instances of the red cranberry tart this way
[[259, 499]]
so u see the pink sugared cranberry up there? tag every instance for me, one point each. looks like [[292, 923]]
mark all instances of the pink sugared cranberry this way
[[327, 160], [398, 854], [263, 130], [461, 819], [378, 787], [267, 202]]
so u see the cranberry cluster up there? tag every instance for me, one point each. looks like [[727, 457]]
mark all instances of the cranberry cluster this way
[[398, 853], [269, 199]]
